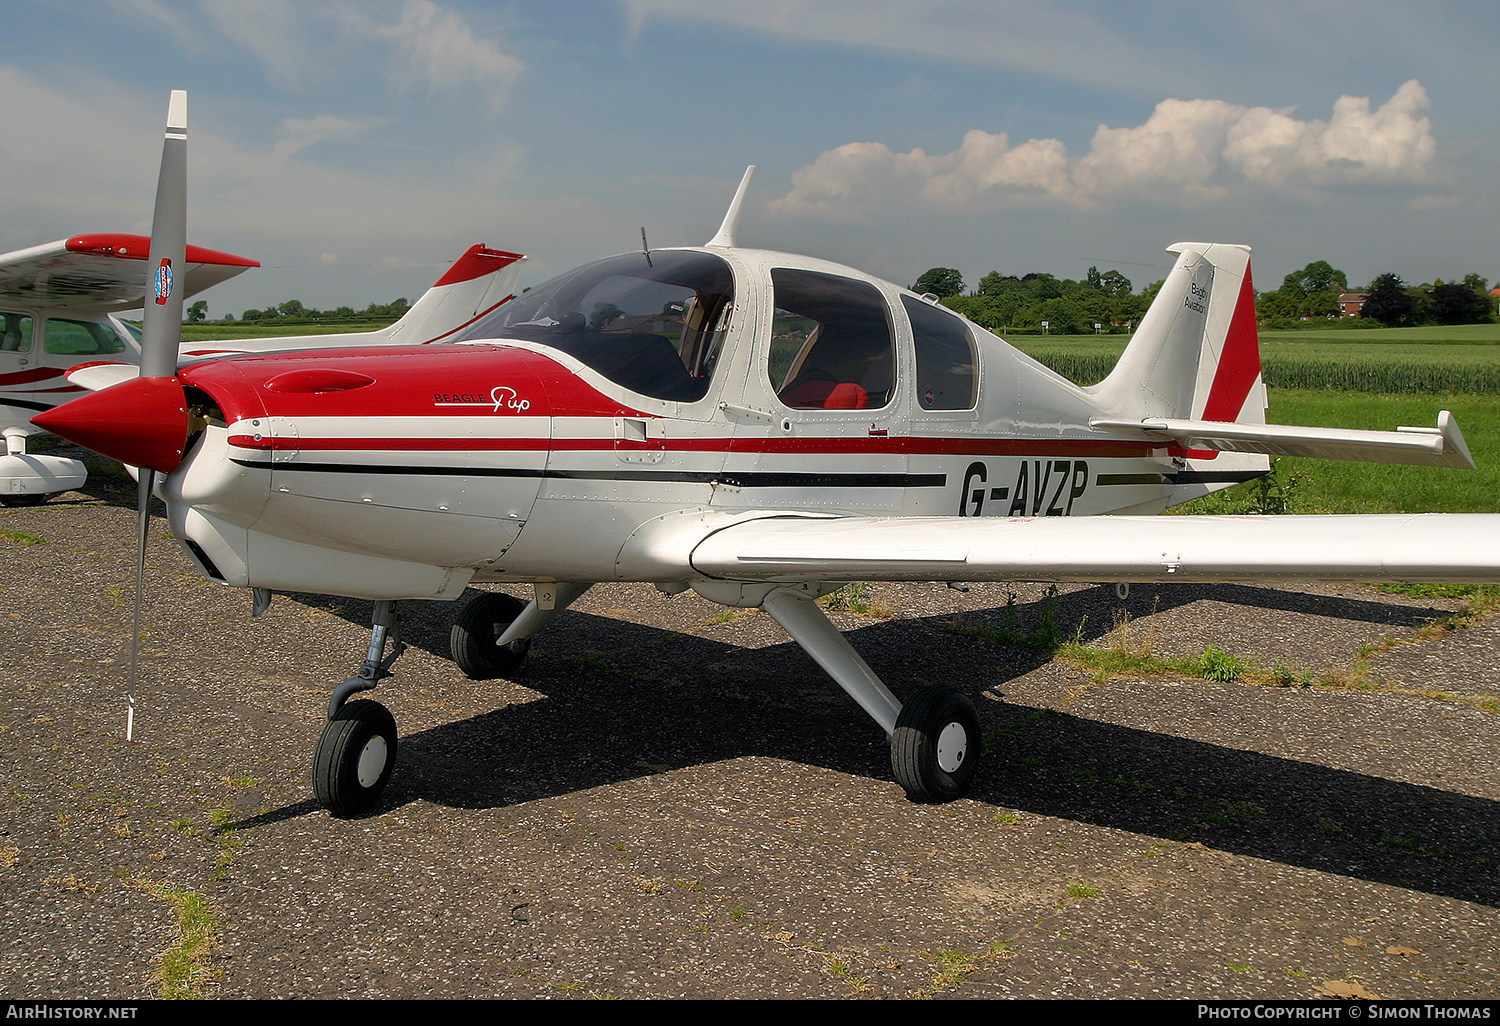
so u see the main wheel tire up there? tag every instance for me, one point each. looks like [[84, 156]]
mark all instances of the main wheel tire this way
[[935, 747], [354, 758], [477, 627]]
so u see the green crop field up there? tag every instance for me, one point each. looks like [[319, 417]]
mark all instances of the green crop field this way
[[1340, 486], [220, 331], [1463, 334], [1461, 358]]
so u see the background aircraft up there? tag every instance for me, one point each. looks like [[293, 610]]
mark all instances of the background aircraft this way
[[61, 306], [756, 426]]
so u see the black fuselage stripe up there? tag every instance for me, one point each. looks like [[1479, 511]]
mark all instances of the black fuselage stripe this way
[[758, 479], [1181, 477], [23, 404], [1215, 477]]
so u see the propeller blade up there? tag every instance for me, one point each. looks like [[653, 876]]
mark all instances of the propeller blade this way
[[144, 485], [161, 332], [161, 328]]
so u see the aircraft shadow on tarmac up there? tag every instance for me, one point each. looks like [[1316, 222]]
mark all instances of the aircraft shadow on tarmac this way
[[625, 700]]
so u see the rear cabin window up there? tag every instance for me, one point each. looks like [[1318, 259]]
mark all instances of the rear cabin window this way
[[15, 333], [80, 338], [831, 343], [945, 357]]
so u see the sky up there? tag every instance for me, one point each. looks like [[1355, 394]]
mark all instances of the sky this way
[[358, 148]]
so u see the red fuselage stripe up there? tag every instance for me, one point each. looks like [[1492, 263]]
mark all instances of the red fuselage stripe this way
[[25, 377], [1100, 449]]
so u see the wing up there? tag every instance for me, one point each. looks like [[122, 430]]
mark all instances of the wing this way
[[101, 272], [791, 547]]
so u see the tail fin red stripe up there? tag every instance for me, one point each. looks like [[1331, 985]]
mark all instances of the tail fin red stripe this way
[[1239, 367]]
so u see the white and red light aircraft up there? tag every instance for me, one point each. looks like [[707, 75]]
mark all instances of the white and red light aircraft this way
[[754, 426], [61, 305]]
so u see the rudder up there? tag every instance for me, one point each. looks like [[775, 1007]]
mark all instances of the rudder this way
[[1196, 354]]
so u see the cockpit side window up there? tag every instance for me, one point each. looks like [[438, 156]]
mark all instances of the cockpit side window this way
[[831, 342], [652, 324], [945, 357], [15, 333], [80, 338]]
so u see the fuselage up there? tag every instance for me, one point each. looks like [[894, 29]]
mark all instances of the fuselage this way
[[549, 440], [37, 346]]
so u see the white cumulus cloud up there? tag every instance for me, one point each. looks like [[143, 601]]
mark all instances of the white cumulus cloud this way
[[441, 49], [1191, 152]]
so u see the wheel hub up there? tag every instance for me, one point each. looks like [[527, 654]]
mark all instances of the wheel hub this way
[[372, 761], [952, 746]]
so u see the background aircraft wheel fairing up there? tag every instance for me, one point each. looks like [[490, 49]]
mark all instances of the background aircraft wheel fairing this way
[[476, 632], [936, 744], [354, 759]]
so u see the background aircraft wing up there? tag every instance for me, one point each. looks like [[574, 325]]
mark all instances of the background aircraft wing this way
[[102, 272], [1442, 446], [1393, 547]]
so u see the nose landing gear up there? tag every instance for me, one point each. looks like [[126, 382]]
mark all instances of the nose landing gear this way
[[357, 750]]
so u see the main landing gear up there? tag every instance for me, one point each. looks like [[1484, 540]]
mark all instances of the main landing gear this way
[[477, 631], [935, 746], [935, 737]]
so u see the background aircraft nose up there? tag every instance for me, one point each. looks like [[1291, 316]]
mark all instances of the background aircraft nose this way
[[142, 422]]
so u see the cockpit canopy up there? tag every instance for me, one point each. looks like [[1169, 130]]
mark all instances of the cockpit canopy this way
[[652, 324]]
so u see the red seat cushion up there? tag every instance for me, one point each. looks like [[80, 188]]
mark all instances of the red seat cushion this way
[[827, 395]]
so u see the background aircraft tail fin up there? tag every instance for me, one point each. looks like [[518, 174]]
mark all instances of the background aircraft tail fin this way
[[1196, 354], [481, 280]]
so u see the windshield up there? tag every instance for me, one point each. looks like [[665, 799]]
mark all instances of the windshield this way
[[654, 325]]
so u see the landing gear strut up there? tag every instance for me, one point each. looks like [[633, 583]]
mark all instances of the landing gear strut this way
[[935, 738], [357, 750]]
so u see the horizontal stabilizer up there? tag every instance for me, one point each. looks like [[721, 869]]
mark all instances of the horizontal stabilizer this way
[[1431, 547], [1442, 446]]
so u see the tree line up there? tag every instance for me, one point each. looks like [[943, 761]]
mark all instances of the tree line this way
[[1023, 304], [293, 312]]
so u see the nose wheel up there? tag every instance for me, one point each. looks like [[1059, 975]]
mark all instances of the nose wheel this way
[[354, 758], [935, 746]]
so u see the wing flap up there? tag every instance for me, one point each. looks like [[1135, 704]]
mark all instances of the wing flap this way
[[1441, 446], [1417, 547]]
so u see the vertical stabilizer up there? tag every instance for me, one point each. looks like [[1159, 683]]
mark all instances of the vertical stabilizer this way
[[481, 280], [1196, 354]]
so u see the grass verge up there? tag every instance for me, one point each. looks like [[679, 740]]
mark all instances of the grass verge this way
[[187, 966]]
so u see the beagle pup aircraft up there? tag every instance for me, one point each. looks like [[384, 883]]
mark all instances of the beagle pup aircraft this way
[[757, 427], [61, 304]]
